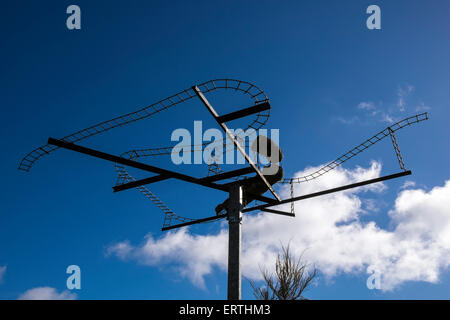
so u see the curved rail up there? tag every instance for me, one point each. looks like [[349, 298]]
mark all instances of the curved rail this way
[[238, 85], [256, 94], [359, 148]]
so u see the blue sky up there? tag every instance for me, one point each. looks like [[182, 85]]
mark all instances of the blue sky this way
[[332, 83]]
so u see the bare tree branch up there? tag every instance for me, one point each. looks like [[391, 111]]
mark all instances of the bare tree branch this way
[[291, 278]]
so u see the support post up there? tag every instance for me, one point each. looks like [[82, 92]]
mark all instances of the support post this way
[[234, 242]]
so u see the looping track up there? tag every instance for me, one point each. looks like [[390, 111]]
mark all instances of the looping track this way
[[361, 147], [256, 94]]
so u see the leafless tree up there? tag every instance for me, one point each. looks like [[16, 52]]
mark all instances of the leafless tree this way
[[292, 277]]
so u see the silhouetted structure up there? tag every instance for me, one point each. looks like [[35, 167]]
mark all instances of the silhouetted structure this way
[[241, 191]]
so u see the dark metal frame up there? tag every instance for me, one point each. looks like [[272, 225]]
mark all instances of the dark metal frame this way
[[265, 207], [210, 181], [236, 143], [235, 189]]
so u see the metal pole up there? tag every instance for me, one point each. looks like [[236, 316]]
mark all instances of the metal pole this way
[[234, 242]]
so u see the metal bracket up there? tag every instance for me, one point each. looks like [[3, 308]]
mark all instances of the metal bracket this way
[[321, 193], [236, 143]]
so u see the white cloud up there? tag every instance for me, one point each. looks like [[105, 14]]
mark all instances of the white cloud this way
[[366, 105], [377, 111], [370, 205], [46, 293], [389, 112], [415, 248], [422, 107], [402, 93], [343, 120], [385, 117], [193, 256], [408, 184], [2, 273]]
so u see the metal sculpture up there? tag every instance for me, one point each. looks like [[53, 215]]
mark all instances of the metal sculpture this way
[[241, 190]]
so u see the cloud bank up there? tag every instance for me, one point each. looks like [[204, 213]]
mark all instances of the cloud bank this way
[[416, 246], [46, 293]]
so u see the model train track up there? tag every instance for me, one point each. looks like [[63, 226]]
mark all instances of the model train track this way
[[261, 118]]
